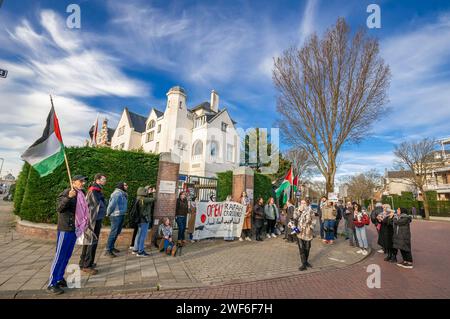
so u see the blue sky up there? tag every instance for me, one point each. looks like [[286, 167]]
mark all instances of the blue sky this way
[[129, 53]]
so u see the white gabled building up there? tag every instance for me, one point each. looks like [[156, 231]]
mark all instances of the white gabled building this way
[[204, 137]]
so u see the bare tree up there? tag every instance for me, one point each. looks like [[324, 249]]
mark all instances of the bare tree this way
[[362, 186], [418, 158], [330, 92], [301, 162]]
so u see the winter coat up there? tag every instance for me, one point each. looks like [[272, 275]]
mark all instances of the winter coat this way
[[340, 212], [328, 213], [258, 212], [402, 232], [118, 203], [248, 217], [386, 234], [360, 219], [304, 221], [290, 212], [65, 207], [145, 204], [349, 217], [271, 212], [182, 208]]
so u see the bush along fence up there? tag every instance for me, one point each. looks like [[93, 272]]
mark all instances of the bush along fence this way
[[438, 208], [35, 197], [262, 186]]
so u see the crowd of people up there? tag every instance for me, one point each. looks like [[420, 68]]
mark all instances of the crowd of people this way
[[81, 214]]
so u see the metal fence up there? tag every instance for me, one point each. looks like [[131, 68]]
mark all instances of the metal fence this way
[[198, 186]]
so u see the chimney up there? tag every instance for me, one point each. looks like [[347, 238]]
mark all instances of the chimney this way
[[214, 101]]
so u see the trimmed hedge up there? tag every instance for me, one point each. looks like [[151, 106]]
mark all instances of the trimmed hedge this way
[[224, 185], [439, 208], [262, 187], [38, 201]]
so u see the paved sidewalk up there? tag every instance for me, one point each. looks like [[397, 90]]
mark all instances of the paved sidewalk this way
[[25, 264]]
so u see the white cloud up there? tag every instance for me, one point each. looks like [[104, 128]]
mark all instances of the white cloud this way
[[58, 62]]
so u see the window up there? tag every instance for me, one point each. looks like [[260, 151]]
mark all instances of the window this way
[[151, 124], [150, 136], [214, 149], [199, 121], [197, 149], [122, 146], [159, 128], [121, 131], [229, 153], [224, 126], [181, 104], [157, 147]]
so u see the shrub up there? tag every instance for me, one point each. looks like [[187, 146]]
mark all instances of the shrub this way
[[224, 185], [262, 187], [39, 196]]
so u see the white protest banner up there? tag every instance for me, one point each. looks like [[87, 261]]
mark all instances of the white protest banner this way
[[333, 197], [219, 219]]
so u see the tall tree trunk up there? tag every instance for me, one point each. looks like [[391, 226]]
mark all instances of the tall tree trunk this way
[[425, 204], [329, 183]]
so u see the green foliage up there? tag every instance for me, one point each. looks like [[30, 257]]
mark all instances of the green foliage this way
[[20, 187], [437, 208], [224, 185], [431, 195], [262, 187], [407, 196], [40, 193]]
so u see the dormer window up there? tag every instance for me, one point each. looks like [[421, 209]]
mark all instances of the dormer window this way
[[151, 125], [224, 126]]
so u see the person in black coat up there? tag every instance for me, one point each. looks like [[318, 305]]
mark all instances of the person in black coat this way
[[259, 216], [385, 236], [402, 236]]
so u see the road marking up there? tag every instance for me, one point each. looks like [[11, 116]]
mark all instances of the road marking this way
[[335, 259]]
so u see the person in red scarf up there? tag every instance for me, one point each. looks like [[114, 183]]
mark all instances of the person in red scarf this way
[[97, 211]]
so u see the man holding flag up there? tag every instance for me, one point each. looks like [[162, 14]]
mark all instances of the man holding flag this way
[[285, 187], [45, 155]]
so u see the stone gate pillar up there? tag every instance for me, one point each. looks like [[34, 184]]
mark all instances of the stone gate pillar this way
[[166, 185], [243, 180]]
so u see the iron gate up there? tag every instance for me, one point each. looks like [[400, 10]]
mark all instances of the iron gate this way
[[199, 186]]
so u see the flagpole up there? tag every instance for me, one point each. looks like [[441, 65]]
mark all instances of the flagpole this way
[[65, 155]]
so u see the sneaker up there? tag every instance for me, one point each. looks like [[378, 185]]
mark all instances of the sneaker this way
[[308, 265], [114, 250], [90, 271], [274, 236], [94, 265], [240, 239], [134, 252], [142, 254], [268, 235], [110, 254], [405, 264], [381, 251], [359, 251], [248, 239], [324, 241], [131, 248], [331, 242], [364, 252], [62, 283], [302, 268], [56, 290]]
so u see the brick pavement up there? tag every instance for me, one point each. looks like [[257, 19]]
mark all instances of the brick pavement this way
[[25, 264]]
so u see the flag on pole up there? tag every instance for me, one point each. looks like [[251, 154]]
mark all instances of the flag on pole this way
[[295, 183], [47, 153], [93, 132], [285, 187]]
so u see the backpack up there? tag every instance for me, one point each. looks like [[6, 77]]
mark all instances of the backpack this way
[[134, 214]]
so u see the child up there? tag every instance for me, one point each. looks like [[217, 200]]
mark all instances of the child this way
[[165, 234]]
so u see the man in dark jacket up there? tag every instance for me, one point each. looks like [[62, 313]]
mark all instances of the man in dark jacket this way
[[259, 216], [97, 211], [340, 212], [66, 237], [181, 212]]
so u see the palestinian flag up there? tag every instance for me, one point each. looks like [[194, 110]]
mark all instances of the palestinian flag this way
[[47, 153], [285, 187], [295, 183]]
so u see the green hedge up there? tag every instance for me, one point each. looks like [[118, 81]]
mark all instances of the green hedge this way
[[439, 208], [37, 204], [262, 187], [20, 187], [224, 185]]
